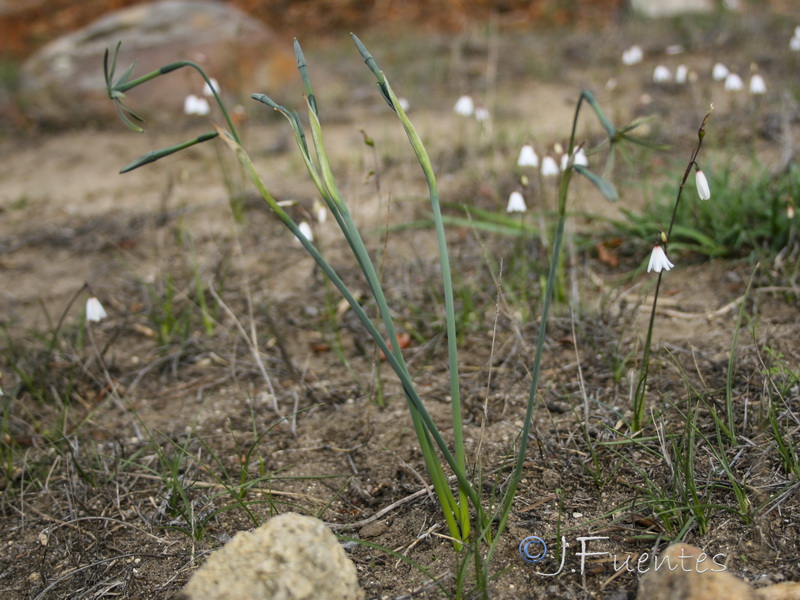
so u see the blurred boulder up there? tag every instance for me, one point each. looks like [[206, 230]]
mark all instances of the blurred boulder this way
[[670, 8], [63, 84], [290, 557], [685, 572]]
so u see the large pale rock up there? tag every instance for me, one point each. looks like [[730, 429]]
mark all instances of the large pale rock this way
[[290, 557], [63, 83], [687, 573], [670, 8], [789, 590]]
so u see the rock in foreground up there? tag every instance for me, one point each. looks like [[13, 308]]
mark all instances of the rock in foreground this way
[[685, 572], [290, 557]]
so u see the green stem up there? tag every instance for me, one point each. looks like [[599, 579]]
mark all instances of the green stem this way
[[641, 386], [401, 372], [449, 302], [516, 475]]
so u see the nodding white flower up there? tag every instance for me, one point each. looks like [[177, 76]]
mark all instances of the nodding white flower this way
[[207, 89], [580, 158], [193, 105], [549, 167], [305, 231], [320, 211], [527, 157], [632, 56], [733, 83], [662, 74], [659, 260], [682, 74], [516, 203], [794, 43], [719, 72], [757, 85], [702, 184], [481, 113], [94, 310], [465, 106], [189, 104]]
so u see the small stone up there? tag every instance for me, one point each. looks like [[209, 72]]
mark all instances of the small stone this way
[[374, 529], [290, 557]]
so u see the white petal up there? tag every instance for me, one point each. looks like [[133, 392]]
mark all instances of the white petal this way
[[681, 74], [404, 104], [702, 185], [464, 106], [580, 158], [305, 231], [527, 157], [207, 89], [757, 84], [733, 83], [794, 43], [719, 72], [659, 260], [549, 166], [94, 310], [190, 104], [516, 203], [481, 113], [320, 211], [632, 55], [202, 107], [662, 74]]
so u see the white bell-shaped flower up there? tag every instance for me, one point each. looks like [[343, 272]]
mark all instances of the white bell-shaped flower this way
[[733, 83], [659, 260], [662, 74], [757, 85], [527, 157], [465, 106], [94, 310], [516, 203], [719, 72], [549, 167], [632, 56]]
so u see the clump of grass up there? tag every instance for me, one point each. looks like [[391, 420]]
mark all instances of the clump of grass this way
[[469, 519], [758, 220]]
